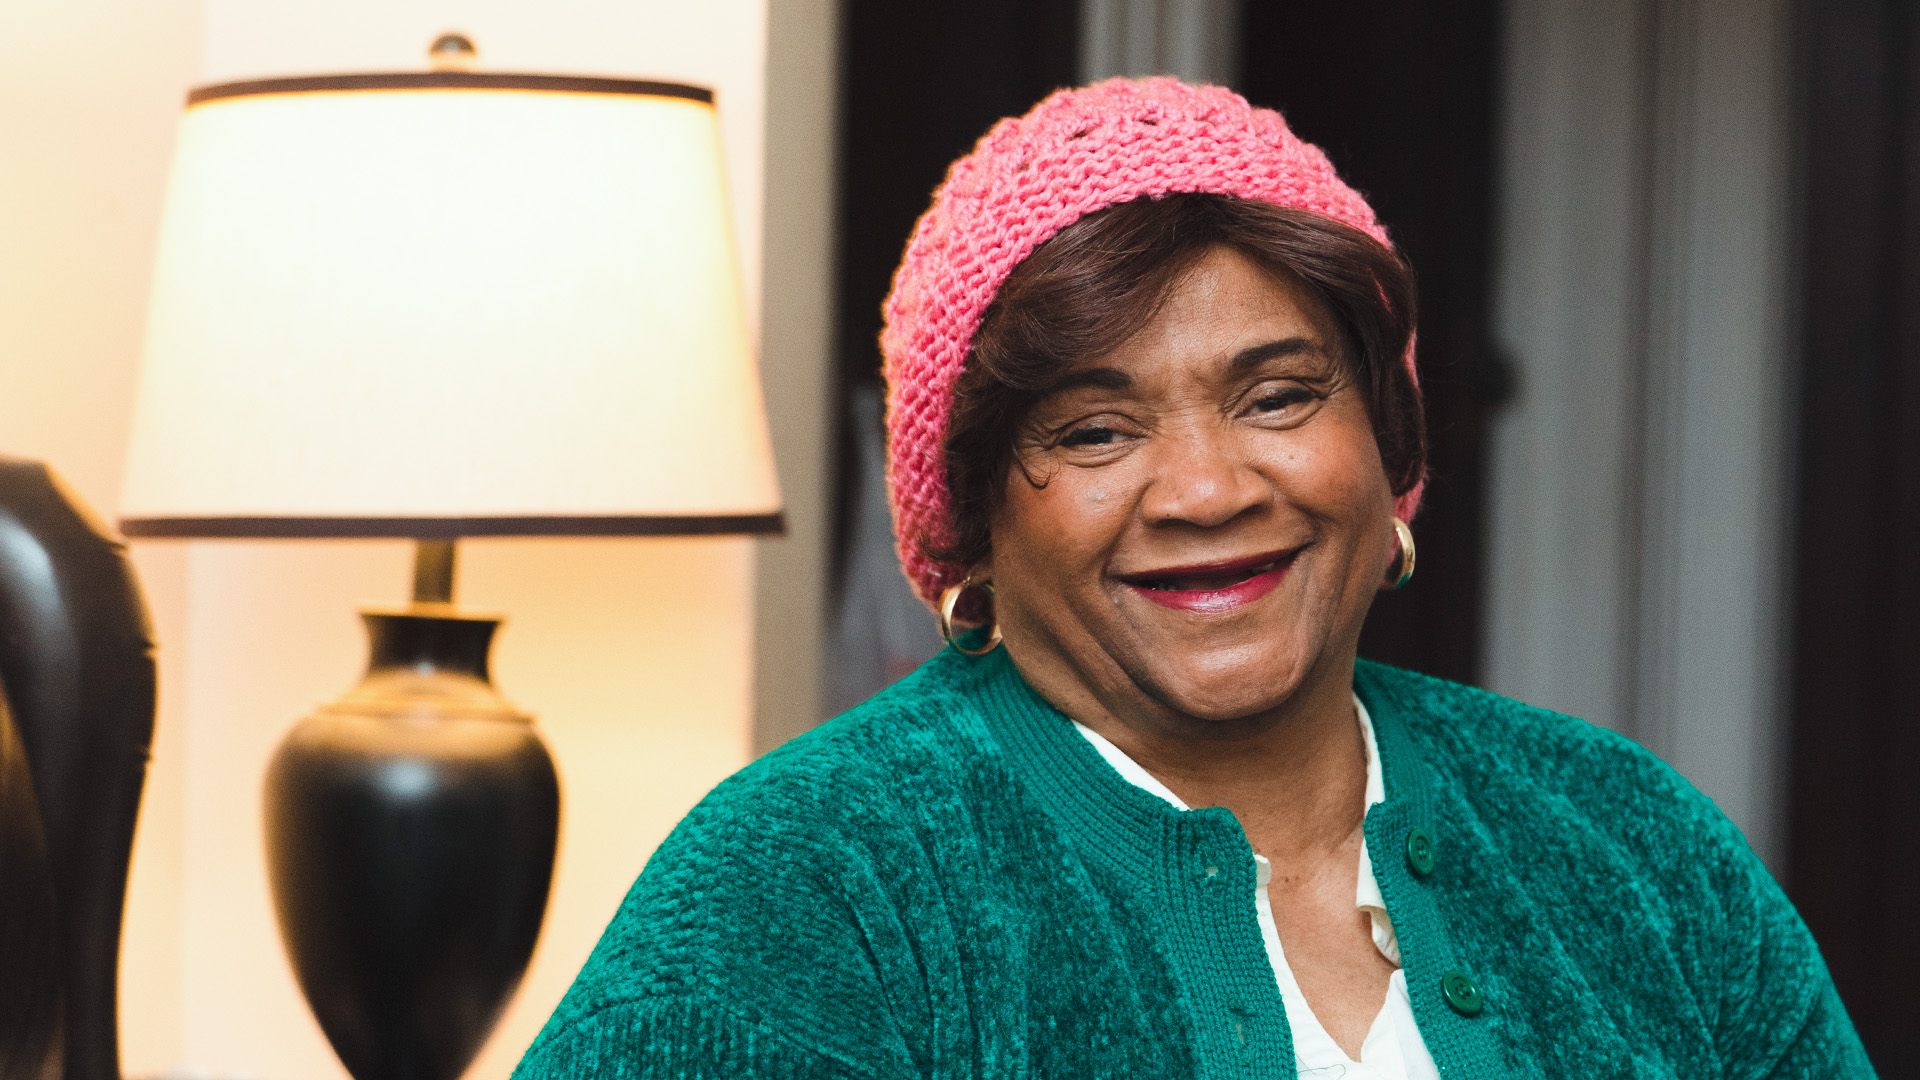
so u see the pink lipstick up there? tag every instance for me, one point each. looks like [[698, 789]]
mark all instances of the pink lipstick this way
[[1213, 587]]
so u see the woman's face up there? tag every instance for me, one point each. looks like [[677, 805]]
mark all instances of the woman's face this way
[[1200, 518]]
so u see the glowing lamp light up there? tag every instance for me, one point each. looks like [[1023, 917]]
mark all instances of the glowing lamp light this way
[[448, 304]]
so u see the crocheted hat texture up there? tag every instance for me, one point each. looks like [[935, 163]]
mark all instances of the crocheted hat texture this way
[[1076, 152]]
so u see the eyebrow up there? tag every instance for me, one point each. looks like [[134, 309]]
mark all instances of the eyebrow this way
[[1106, 378], [1099, 378], [1254, 355]]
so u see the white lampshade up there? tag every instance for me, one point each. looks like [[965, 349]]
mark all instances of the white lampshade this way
[[447, 304]]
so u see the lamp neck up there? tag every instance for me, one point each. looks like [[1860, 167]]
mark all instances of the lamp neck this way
[[423, 644], [433, 571]]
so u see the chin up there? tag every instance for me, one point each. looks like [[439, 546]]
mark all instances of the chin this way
[[1224, 685]]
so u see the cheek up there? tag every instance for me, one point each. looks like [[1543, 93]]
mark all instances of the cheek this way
[[1331, 470], [1065, 526]]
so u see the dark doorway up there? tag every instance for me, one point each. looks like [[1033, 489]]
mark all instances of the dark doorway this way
[[922, 82], [1400, 94], [1854, 825]]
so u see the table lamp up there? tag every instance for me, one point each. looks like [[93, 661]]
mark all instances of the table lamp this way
[[432, 305]]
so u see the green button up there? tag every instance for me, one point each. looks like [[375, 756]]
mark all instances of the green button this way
[[1461, 992], [1420, 852]]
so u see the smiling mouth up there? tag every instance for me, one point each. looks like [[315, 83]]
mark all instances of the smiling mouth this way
[[1215, 586]]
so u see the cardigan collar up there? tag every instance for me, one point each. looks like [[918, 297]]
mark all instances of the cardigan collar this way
[[1078, 785], [1072, 781]]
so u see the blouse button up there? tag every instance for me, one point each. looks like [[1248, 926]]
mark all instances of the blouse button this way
[[1461, 992], [1420, 852]]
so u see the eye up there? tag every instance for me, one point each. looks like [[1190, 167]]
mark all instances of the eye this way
[[1280, 398], [1091, 435]]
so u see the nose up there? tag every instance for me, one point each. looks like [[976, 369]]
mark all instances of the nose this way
[[1200, 478]]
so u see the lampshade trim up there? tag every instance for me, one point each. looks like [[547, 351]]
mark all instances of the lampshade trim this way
[[446, 80], [446, 528]]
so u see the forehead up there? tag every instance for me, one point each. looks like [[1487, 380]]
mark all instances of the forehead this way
[[1219, 308]]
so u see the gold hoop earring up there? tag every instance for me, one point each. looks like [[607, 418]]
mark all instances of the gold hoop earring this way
[[1405, 559], [949, 600]]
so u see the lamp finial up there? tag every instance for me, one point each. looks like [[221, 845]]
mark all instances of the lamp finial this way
[[452, 51]]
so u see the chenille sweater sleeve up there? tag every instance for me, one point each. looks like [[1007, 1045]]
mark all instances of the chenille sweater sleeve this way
[[742, 951], [1780, 1017], [688, 1039], [1825, 1045]]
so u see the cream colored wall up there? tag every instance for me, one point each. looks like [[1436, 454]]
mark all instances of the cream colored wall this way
[[88, 94], [797, 362], [636, 656], [89, 90]]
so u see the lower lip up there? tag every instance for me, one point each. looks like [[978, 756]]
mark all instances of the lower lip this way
[[1215, 600]]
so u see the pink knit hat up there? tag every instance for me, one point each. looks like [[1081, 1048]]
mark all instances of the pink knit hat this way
[[1076, 152]]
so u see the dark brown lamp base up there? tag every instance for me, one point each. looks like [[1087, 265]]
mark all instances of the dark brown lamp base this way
[[411, 829]]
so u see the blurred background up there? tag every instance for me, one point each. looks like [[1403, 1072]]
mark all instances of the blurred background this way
[[1669, 254]]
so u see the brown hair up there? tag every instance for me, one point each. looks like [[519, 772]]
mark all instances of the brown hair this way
[[1100, 280]]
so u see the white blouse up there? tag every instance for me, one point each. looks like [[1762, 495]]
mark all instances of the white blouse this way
[[1393, 1048]]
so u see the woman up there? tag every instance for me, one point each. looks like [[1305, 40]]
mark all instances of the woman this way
[[1154, 426]]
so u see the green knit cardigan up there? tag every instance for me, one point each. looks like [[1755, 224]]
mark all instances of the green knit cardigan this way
[[949, 881]]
